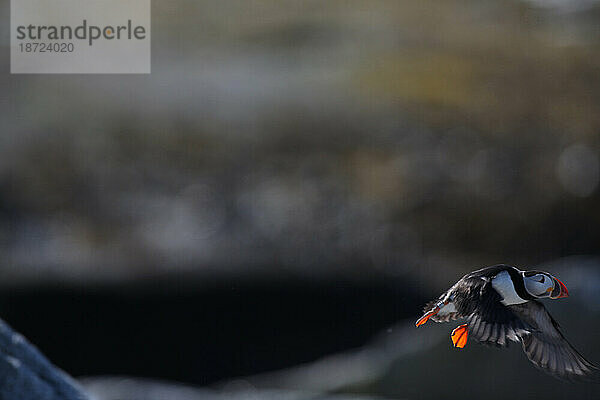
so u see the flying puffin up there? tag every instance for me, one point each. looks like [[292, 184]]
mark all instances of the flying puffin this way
[[499, 305]]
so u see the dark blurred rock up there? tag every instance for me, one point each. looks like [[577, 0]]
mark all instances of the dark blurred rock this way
[[25, 374]]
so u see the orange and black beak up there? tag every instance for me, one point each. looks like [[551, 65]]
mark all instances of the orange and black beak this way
[[559, 291]]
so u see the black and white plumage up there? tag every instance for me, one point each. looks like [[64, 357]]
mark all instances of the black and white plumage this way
[[499, 305]]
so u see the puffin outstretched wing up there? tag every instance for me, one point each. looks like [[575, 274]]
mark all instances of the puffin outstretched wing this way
[[491, 322], [546, 346]]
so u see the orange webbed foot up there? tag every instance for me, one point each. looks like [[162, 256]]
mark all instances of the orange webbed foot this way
[[426, 317], [459, 336]]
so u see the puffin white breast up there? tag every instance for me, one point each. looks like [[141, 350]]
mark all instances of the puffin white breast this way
[[504, 285]]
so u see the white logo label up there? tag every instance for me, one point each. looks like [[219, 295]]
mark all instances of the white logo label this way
[[80, 36]]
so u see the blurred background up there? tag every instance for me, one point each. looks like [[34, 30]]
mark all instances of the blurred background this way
[[266, 213]]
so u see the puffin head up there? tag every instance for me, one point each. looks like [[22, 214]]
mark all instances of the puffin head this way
[[543, 285]]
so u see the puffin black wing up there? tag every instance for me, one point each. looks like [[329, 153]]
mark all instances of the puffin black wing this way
[[489, 321], [546, 346]]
